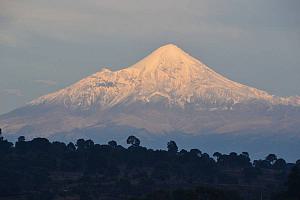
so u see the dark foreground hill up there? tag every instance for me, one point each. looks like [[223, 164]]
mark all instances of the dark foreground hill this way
[[44, 170]]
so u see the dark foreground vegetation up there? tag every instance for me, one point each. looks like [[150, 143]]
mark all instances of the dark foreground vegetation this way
[[43, 170]]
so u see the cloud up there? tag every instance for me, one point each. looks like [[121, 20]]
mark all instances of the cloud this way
[[46, 82], [14, 92], [7, 39], [82, 22]]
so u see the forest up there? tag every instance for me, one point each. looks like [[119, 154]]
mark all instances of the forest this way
[[40, 169]]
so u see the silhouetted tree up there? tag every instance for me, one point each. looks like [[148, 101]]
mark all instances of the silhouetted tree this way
[[172, 147], [279, 164], [71, 146], [196, 152], [20, 144], [80, 143], [21, 139], [246, 154], [5, 146], [217, 155], [58, 147], [271, 158], [89, 144], [205, 156], [41, 144], [113, 144], [1, 137], [262, 164], [183, 152], [134, 141], [233, 154]]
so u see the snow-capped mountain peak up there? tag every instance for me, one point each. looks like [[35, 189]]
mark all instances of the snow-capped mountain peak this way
[[167, 75]]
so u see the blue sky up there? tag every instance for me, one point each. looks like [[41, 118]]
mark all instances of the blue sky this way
[[48, 44]]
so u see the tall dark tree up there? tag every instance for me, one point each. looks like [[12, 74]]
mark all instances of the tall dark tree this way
[[233, 154], [279, 164], [172, 147], [205, 156], [89, 144], [271, 158], [113, 144], [183, 152], [5, 146], [21, 139], [80, 144], [246, 154], [262, 164], [1, 137], [71, 147], [217, 155], [21, 144], [42, 144], [196, 152], [134, 141]]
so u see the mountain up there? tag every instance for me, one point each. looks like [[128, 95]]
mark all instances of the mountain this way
[[167, 93], [167, 74]]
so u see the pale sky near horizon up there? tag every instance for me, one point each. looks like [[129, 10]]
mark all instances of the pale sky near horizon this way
[[46, 45]]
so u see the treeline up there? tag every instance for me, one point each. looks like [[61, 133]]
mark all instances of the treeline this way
[[40, 169]]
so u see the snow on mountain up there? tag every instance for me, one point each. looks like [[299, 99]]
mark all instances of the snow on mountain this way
[[168, 74]]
